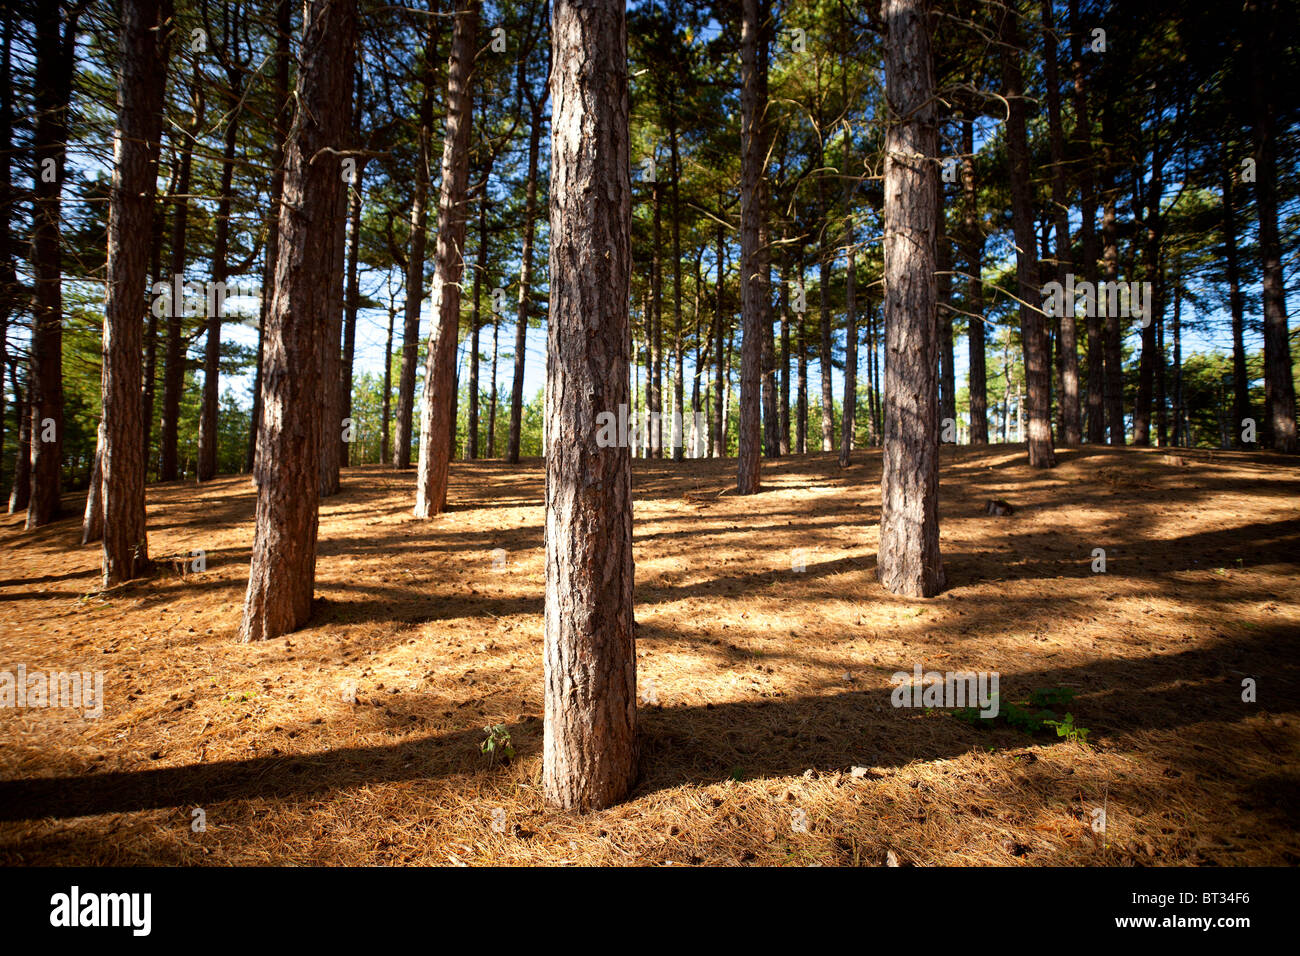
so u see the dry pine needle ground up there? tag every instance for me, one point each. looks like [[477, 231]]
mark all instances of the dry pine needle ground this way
[[767, 734]]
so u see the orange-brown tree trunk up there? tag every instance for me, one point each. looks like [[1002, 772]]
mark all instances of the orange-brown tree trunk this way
[[283, 569], [589, 757]]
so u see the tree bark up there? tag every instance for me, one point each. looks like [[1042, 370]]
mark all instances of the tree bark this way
[[1110, 267], [1033, 332], [752, 309], [437, 407], [130, 221], [52, 93], [415, 260], [280, 92], [525, 281], [1067, 345], [1279, 386], [973, 259], [589, 754], [1236, 304], [283, 569], [908, 559]]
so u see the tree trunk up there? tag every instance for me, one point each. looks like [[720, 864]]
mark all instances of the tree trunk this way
[[415, 260], [908, 560], [209, 423], [51, 94], [283, 113], [283, 569], [130, 221], [1149, 359], [589, 754], [352, 299], [331, 360], [1084, 157], [1236, 303], [388, 388], [720, 358], [973, 258], [21, 489], [471, 439], [784, 399], [92, 519], [1033, 332], [943, 310], [825, 361], [1110, 260], [752, 310], [1067, 345], [437, 407], [525, 283], [1279, 386]]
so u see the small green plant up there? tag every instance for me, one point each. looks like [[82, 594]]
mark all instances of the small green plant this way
[[497, 745], [1066, 728]]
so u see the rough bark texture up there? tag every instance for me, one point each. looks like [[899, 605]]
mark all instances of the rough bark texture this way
[[415, 259], [1067, 345], [283, 569], [1111, 343], [908, 560], [589, 754], [351, 299], [51, 93], [331, 399], [1279, 386], [1084, 157], [130, 222], [973, 262], [752, 309], [1236, 305], [525, 281], [1033, 332], [437, 408]]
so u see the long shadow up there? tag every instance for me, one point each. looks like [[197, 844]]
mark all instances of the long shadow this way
[[708, 744]]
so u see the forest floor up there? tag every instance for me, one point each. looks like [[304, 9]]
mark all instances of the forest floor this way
[[767, 731]]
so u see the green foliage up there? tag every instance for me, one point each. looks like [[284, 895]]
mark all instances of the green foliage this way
[[497, 745]]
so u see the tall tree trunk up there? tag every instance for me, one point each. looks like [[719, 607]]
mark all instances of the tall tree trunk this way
[[719, 389], [388, 387], [850, 357], [1236, 303], [784, 411], [1067, 345], [679, 422], [1110, 264], [1033, 332], [825, 361], [908, 561], [21, 489], [8, 273], [51, 93], [331, 399], [1149, 359], [280, 126], [174, 352], [415, 259], [943, 305], [92, 519], [352, 299], [437, 407], [656, 329], [752, 309], [471, 439], [1279, 385], [283, 569], [1084, 157], [973, 259], [209, 415], [589, 752], [130, 220], [525, 281]]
